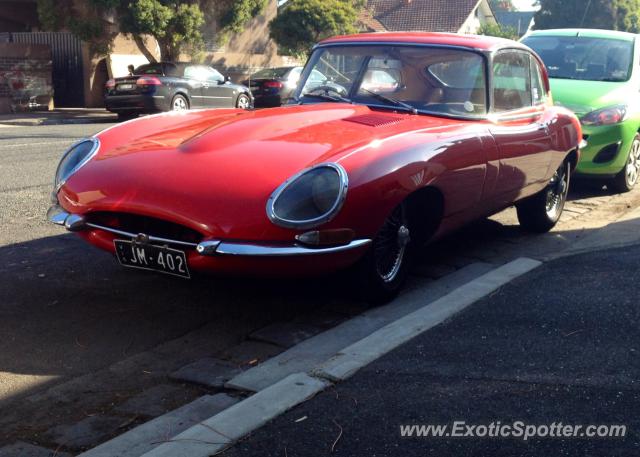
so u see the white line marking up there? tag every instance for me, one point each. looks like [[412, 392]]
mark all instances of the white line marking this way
[[19, 145]]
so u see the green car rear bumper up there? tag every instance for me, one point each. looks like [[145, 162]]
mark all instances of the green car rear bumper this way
[[607, 149]]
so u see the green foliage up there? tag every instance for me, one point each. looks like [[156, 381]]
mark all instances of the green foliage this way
[[302, 23], [175, 25], [628, 15], [498, 31], [240, 12], [596, 14], [86, 24]]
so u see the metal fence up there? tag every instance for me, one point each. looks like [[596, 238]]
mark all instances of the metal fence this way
[[67, 71]]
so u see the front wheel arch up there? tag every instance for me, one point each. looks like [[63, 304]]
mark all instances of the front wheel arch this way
[[426, 211]]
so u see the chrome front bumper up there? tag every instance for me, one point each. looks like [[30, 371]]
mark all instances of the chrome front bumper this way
[[77, 223]]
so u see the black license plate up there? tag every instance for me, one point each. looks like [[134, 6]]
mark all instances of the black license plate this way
[[151, 257]]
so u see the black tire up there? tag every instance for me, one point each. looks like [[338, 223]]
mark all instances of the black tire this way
[[627, 179], [381, 273], [541, 212], [126, 116], [179, 103], [243, 101]]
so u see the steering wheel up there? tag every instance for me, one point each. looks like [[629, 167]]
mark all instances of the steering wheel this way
[[326, 88]]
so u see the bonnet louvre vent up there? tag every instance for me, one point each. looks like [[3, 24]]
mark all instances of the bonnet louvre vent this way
[[374, 120]]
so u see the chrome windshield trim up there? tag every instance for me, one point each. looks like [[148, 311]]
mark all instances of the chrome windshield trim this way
[[261, 250]]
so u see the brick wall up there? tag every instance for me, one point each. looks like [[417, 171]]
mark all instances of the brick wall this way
[[25, 77]]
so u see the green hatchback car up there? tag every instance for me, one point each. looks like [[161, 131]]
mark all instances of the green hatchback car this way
[[596, 74]]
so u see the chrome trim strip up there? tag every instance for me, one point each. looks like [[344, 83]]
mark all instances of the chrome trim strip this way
[[75, 222], [133, 235], [260, 250], [309, 223]]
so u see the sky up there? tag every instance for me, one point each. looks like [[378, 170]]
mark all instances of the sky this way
[[524, 5]]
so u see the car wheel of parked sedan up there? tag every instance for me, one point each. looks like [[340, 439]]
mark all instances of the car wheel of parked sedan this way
[[541, 212], [179, 103], [384, 268], [243, 101], [628, 176]]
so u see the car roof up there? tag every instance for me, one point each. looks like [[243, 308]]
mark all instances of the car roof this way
[[589, 33], [479, 42]]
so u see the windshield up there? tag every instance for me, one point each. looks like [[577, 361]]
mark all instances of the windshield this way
[[272, 73], [417, 78], [149, 69], [591, 59]]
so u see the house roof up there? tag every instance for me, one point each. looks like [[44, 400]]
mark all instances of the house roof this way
[[419, 15], [518, 20]]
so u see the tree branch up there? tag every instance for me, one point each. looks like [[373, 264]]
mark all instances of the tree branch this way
[[143, 48]]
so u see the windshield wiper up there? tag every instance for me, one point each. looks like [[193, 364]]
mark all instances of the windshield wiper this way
[[332, 98], [398, 103]]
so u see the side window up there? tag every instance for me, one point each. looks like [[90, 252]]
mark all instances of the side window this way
[[511, 81], [191, 72], [214, 75], [538, 91]]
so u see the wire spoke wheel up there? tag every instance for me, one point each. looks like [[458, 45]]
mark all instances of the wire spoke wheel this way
[[556, 193], [390, 245]]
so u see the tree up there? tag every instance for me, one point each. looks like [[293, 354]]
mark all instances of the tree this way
[[594, 14], [302, 23], [498, 31], [175, 24], [85, 20]]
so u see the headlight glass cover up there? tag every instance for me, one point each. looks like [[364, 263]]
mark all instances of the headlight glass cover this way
[[310, 198], [606, 116], [75, 157]]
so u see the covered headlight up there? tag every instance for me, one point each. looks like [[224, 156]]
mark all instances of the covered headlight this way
[[75, 157], [606, 116], [310, 198]]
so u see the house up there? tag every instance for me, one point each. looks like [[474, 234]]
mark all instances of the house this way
[[78, 75], [520, 21], [454, 16]]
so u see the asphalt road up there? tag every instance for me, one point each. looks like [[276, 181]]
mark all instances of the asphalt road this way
[[563, 353], [80, 333]]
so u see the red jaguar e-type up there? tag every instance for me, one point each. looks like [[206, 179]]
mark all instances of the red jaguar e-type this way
[[405, 137]]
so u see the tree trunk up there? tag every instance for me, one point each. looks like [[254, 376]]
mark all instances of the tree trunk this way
[[143, 48]]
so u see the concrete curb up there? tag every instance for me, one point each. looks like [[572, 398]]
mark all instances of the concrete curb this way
[[222, 430], [368, 349]]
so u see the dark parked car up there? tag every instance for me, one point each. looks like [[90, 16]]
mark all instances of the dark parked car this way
[[166, 86], [273, 86]]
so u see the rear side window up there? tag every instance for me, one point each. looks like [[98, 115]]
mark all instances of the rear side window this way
[[511, 81], [538, 91]]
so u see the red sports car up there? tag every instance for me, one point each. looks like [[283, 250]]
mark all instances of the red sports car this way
[[410, 136]]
